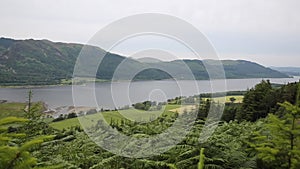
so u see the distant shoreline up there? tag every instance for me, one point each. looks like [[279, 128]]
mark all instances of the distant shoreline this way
[[32, 86], [109, 81]]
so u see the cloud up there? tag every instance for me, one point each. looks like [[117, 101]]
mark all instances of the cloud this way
[[245, 27]]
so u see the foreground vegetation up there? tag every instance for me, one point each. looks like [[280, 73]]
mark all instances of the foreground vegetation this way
[[263, 131]]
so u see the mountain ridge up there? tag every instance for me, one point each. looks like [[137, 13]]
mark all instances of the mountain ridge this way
[[43, 62]]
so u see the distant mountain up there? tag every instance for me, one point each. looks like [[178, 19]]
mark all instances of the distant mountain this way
[[293, 71], [148, 60], [39, 62]]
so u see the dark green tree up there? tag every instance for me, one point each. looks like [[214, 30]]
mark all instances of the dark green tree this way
[[36, 124], [204, 108], [230, 111], [278, 144], [257, 102], [232, 99]]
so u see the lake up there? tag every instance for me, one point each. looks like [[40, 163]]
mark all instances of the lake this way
[[117, 94]]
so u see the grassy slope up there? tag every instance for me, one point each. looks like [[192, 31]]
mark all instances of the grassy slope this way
[[131, 114], [17, 109], [12, 109], [239, 99]]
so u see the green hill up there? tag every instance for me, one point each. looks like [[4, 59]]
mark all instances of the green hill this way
[[293, 71], [40, 62]]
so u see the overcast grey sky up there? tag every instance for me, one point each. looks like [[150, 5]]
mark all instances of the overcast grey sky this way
[[264, 31]]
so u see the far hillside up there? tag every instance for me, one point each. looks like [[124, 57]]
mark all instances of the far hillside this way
[[42, 62], [293, 71]]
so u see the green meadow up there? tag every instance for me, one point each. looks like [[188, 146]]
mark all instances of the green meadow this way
[[115, 116]]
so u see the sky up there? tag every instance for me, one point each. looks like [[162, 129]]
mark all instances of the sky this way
[[263, 31]]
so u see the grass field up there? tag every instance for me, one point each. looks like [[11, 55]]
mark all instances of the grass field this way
[[12, 109], [130, 114], [239, 99], [116, 116], [17, 109], [183, 109]]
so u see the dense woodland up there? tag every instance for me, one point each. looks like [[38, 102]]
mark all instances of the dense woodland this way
[[261, 132]]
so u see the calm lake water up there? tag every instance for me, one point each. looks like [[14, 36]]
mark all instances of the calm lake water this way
[[117, 94]]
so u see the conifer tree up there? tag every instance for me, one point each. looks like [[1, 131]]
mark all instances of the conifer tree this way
[[278, 145]]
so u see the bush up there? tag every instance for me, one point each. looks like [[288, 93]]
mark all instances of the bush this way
[[60, 118], [72, 115]]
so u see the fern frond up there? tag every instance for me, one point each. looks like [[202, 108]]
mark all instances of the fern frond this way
[[30, 144], [11, 120]]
